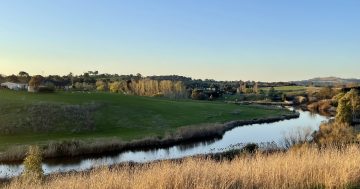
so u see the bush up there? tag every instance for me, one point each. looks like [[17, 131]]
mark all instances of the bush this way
[[325, 93], [46, 89], [198, 95], [84, 86], [32, 165], [335, 133], [322, 105], [250, 148], [101, 85], [115, 87]]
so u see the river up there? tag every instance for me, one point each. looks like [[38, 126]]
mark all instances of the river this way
[[254, 133]]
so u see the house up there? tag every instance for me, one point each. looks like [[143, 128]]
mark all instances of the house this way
[[14, 86]]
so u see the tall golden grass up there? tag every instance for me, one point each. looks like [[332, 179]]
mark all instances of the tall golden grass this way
[[303, 167]]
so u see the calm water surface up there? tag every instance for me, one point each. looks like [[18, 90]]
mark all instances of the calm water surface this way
[[255, 133]]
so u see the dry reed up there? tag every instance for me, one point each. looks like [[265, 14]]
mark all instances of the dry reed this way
[[304, 167]]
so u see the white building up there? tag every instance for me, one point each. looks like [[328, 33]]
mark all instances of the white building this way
[[14, 86]]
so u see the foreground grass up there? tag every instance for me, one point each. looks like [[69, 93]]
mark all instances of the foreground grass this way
[[306, 167], [27, 118]]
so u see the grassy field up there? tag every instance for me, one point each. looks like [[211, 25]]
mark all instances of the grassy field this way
[[306, 167], [27, 118], [289, 90]]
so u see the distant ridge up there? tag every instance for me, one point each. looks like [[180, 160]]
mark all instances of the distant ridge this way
[[328, 81]]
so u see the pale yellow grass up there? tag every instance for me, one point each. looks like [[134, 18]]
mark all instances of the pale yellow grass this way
[[300, 168]]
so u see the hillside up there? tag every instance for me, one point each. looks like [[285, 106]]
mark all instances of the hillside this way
[[326, 81], [31, 118]]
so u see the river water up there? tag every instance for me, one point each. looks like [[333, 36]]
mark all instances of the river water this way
[[254, 133]]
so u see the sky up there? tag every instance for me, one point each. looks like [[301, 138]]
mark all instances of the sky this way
[[261, 40]]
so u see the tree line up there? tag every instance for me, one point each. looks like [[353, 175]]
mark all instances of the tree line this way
[[168, 85]]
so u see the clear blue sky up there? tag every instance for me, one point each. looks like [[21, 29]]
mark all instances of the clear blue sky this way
[[225, 40]]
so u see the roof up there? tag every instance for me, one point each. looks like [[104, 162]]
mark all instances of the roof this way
[[11, 83]]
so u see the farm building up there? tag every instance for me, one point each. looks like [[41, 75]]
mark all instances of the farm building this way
[[14, 86]]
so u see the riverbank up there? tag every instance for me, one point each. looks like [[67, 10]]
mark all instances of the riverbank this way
[[39, 119], [219, 156], [307, 167], [183, 135], [267, 103]]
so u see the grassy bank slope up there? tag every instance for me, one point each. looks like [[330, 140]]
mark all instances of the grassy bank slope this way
[[303, 168], [34, 118], [289, 90]]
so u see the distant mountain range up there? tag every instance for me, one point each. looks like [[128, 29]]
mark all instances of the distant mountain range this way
[[326, 81]]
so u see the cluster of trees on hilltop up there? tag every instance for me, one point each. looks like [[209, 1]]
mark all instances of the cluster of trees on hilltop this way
[[329, 81], [168, 85], [22, 77]]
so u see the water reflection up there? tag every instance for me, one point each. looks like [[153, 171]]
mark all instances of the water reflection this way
[[313, 114], [185, 147], [269, 134]]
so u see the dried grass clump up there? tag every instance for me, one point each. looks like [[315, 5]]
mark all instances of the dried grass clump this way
[[309, 167]]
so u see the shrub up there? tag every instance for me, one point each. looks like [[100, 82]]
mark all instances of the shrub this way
[[101, 85], [115, 87], [250, 148], [46, 89], [32, 165], [198, 95], [334, 133], [84, 86], [325, 93]]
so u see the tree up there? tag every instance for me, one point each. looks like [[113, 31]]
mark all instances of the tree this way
[[243, 87], [12, 78], [87, 75], [115, 87], [101, 85], [261, 92], [256, 87], [138, 76], [272, 93], [71, 76], [23, 74], [355, 103], [36, 81], [2, 78], [348, 107], [23, 77]]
